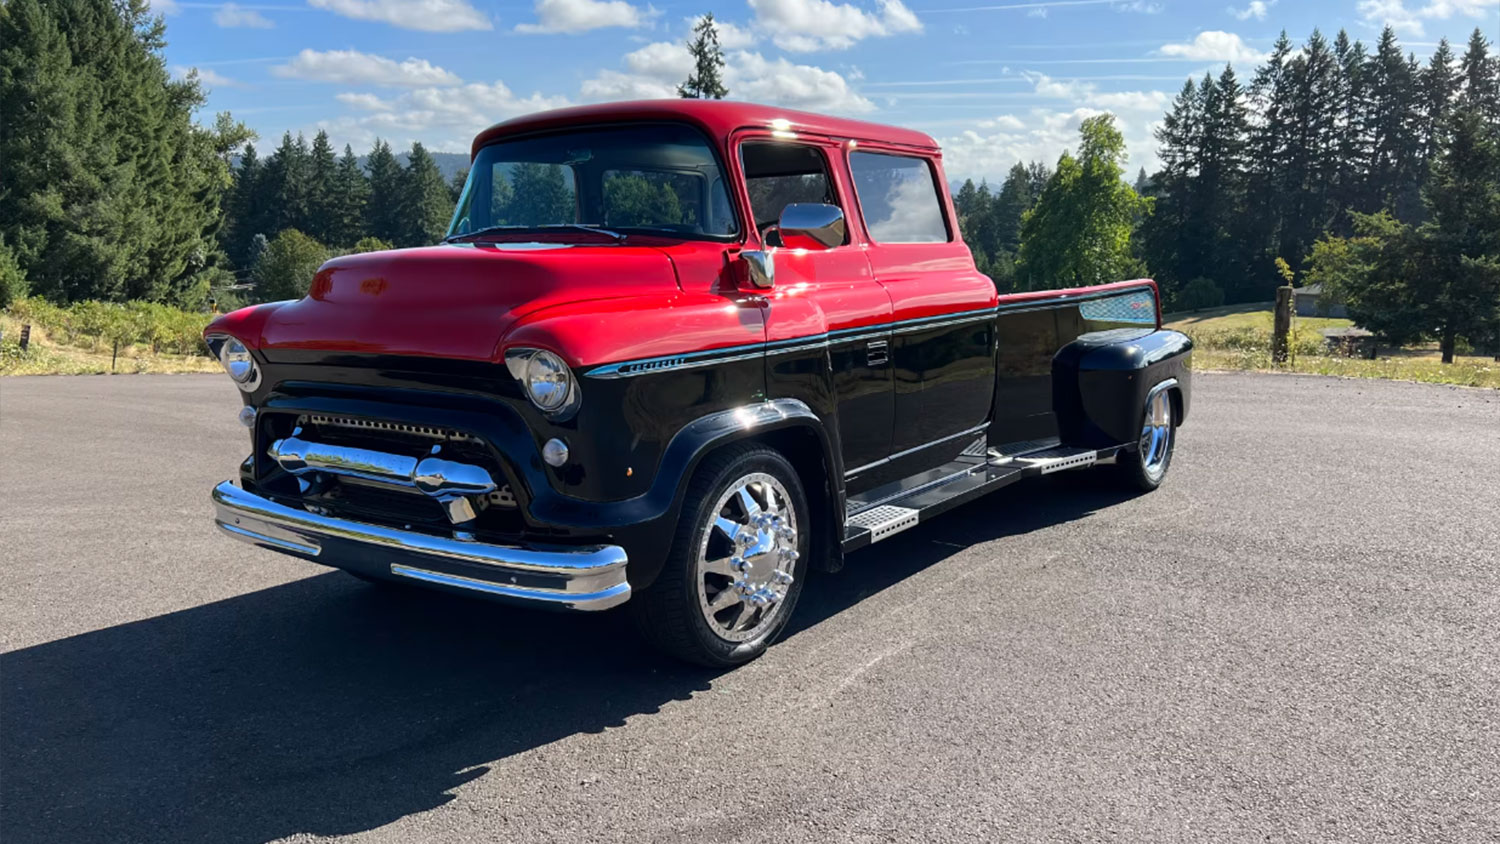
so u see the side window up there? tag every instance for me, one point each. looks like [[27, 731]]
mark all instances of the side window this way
[[779, 174], [898, 197]]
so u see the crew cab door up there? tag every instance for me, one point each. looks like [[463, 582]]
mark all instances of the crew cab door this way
[[943, 322], [827, 319]]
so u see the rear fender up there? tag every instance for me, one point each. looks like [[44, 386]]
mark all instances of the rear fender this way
[[1100, 383]]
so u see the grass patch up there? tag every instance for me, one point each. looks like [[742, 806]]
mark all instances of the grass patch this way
[[1239, 337]]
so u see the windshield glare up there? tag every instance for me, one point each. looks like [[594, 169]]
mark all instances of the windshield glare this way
[[660, 178]]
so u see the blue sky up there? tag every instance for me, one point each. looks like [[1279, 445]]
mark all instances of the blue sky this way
[[994, 82]]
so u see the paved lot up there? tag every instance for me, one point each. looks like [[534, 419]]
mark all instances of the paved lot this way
[[1297, 637]]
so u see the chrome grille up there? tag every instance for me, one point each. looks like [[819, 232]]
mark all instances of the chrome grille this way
[[375, 425]]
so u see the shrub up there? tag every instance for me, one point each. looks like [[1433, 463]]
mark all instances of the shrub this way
[[1198, 294], [12, 279], [370, 244], [286, 269]]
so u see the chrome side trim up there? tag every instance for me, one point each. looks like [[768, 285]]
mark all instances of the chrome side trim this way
[[585, 578], [914, 449]]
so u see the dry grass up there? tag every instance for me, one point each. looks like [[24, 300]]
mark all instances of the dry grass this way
[[44, 357]]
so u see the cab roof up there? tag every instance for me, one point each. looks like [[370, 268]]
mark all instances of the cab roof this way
[[718, 118]]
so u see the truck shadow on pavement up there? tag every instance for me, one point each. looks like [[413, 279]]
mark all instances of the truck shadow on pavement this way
[[326, 706]]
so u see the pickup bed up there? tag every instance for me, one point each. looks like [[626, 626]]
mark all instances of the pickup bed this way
[[673, 355]]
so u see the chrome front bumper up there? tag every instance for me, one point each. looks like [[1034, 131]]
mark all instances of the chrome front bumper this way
[[584, 578]]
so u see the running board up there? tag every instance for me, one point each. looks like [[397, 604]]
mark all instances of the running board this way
[[887, 510]]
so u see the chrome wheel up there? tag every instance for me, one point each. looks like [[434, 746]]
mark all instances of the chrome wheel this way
[[1156, 435], [746, 558]]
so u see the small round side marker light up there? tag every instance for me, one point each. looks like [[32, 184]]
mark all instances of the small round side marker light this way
[[555, 452], [247, 416]]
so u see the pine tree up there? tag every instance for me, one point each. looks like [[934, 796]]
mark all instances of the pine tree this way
[[1351, 187], [322, 199], [1481, 80], [1395, 171], [1268, 154], [283, 189], [707, 78], [243, 212], [456, 185], [351, 191], [1311, 123], [108, 188], [383, 217], [426, 204], [1439, 87], [1016, 197], [1442, 278]]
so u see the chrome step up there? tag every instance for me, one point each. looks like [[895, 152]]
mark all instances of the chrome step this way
[[1057, 459], [884, 520]]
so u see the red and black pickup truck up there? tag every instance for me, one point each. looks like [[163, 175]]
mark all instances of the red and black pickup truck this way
[[672, 355]]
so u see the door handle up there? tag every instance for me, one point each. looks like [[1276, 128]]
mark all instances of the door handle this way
[[877, 353]]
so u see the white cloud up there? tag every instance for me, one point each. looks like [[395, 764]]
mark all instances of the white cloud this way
[[356, 68], [1144, 104], [993, 146], [208, 76], [1257, 9], [655, 70], [1143, 7], [422, 15], [231, 15], [1395, 14], [802, 26], [752, 77], [583, 15], [442, 118], [363, 102], [1214, 46], [164, 7]]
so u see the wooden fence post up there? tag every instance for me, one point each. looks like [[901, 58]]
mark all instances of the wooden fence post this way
[[1283, 324], [25, 337]]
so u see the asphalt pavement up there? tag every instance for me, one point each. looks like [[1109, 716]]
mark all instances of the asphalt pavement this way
[[1297, 637]]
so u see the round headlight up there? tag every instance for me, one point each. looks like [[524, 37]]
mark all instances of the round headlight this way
[[237, 361], [548, 380]]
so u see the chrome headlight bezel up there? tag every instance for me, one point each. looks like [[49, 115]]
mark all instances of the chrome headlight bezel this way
[[239, 364], [547, 381]]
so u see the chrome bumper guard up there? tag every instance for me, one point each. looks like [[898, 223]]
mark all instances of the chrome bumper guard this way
[[584, 578]]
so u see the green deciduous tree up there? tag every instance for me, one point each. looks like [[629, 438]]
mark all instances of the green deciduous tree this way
[[1079, 231], [286, 268], [707, 78]]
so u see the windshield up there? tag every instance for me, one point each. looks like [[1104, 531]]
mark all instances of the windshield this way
[[656, 178]]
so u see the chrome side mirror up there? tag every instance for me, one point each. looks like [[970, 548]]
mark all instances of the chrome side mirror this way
[[760, 267], [811, 225]]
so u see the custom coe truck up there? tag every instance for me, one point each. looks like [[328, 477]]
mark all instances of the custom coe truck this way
[[672, 355]]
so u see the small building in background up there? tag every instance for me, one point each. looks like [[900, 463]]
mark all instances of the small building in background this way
[[1311, 302]]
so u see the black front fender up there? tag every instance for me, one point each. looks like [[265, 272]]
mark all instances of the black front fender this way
[[644, 525]]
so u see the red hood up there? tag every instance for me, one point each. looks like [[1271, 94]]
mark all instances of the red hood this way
[[453, 301]]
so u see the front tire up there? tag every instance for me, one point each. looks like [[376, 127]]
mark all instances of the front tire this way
[[1146, 467], [737, 562]]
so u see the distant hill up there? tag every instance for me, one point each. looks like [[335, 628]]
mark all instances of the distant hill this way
[[448, 162]]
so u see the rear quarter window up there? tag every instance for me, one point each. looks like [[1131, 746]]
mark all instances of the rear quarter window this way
[[898, 198]]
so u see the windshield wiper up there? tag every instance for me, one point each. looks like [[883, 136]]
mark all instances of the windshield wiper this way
[[488, 230]]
